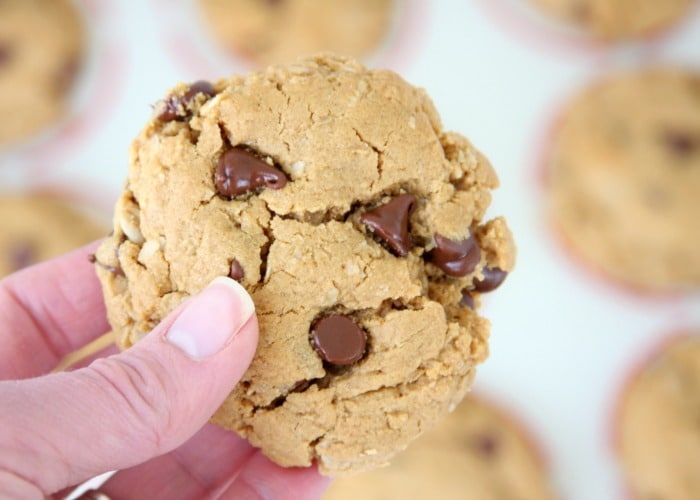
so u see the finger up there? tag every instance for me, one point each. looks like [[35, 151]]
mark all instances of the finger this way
[[47, 311], [201, 468], [110, 350], [260, 478], [214, 464], [123, 410], [88, 353]]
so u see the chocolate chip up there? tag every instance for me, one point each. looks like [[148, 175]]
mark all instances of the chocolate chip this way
[[300, 386], [240, 171], [493, 277], [390, 222], [198, 87], [338, 340], [456, 258], [116, 270], [21, 256], [236, 272], [680, 143], [581, 12], [174, 107], [66, 75], [486, 444], [5, 54], [467, 299]]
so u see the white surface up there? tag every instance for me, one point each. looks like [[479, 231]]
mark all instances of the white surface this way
[[563, 340]]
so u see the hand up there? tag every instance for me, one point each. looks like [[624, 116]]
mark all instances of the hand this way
[[142, 412]]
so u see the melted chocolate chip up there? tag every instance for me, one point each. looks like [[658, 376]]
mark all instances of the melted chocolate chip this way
[[300, 386], [5, 54], [198, 87], [240, 171], [67, 74], [174, 107], [486, 445], [338, 340], [493, 277], [390, 222], [116, 270], [680, 143], [236, 272], [467, 299], [456, 258], [21, 256]]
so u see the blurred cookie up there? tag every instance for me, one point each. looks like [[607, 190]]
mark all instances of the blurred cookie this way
[[624, 178], [475, 453], [35, 228], [659, 426], [41, 50], [614, 19], [268, 31]]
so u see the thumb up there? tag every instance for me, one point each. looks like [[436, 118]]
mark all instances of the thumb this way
[[120, 411]]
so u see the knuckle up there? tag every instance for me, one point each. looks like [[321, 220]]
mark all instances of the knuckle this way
[[139, 392]]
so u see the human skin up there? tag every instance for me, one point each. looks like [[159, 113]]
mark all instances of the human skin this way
[[142, 412]]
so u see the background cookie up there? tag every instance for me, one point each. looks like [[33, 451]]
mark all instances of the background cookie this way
[[475, 453], [658, 428], [41, 50], [624, 177], [611, 19], [276, 31], [333, 195], [35, 228]]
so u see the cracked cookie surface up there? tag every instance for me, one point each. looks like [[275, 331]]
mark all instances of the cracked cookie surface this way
[[41, 50], [476, 453], [624, 176], [658, 425], [329, 191], [275, 31], [37, 227], [616, 19]]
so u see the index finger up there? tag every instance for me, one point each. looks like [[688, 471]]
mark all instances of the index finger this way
[[47, 311]]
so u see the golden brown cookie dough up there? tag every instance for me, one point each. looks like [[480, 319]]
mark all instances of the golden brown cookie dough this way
[[624, 178], [41, 49], [271, 31], [659, 425], [615, 19], [475, 453], [332, 193], [37, 227]]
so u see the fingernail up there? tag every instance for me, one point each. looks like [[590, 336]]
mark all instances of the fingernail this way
[[211, 319]]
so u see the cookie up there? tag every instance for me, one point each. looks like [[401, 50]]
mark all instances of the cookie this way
[[333, 194], [475, 453], [41, 50], [617, 19], [658, 427], [35, 228], [270, 31], [624, 177]]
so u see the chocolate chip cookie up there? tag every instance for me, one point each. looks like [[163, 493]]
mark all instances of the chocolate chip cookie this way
[[268, 31], [615, 19], [41, 50], [36, 227], [658, 426], [475, 453], [333, 194], [624, 178]]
